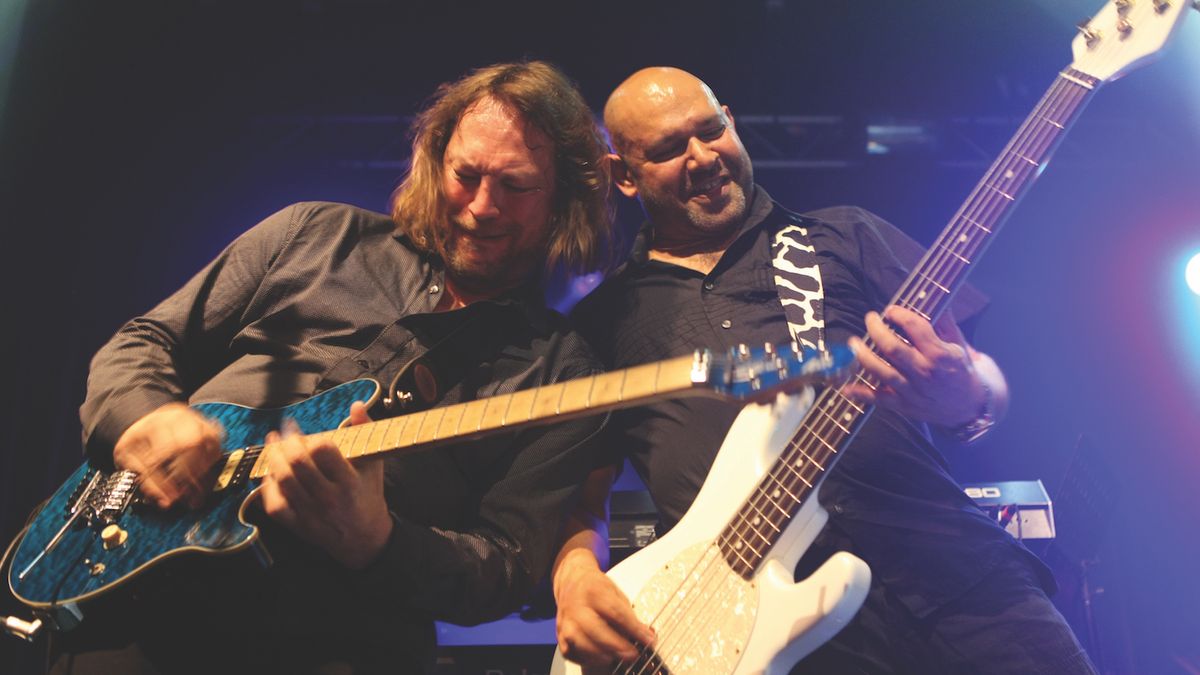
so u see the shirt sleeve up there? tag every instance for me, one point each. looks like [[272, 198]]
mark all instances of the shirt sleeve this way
[[161, 356], [484, 572]]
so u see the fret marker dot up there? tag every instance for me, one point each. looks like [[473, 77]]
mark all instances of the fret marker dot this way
[[737, 545], [962, 238], [1009, 173], [776, 494], [921, 295], [757, 520], [846, 417]]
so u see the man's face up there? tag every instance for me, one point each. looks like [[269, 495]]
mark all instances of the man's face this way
[[687, 164], [498, 178]]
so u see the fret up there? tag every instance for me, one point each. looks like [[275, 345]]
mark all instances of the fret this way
[[348, 439], [797, 473], [1032, 162], [546, 401], [740, 545], [781, 489], [930, 279], [395, 426], [448, 427], [429, 426], [1000, 192], [374, 438], [747, 526], [520, 406], [815, 434], [493, 414], [947, 249], [806, 458], [733, 549], [837, 423], [1050, 121], [762, 495], [577, 394], [409, 435], [607, 388], [760, 517], [472, 418], [640, 382]]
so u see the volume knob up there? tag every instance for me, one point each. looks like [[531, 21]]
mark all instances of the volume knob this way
[[113, 536]]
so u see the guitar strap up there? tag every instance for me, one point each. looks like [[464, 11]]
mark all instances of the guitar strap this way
[[798, 283]]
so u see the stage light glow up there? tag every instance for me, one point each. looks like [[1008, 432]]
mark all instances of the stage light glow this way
[[1192, 274]]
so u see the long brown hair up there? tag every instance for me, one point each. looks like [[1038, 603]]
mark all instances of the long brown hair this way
[[580, 216]]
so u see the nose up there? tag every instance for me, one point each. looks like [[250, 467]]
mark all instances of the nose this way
[[700, 155], [483, 204]]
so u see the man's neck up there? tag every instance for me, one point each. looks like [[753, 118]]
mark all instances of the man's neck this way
[[457, 297], [701, 256]]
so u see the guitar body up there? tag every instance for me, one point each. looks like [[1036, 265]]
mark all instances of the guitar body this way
[[80, 567], [728, 624]]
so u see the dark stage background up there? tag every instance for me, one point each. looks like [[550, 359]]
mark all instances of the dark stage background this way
[[139, 138]]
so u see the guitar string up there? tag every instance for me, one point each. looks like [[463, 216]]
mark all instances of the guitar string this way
[[945, 256]]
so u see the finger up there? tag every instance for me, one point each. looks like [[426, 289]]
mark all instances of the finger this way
[[875, 365], [282, 469], [358, 413], [333, 467], [275, 504], [927, 338], [895, 349], [596, 646], [318, 489]]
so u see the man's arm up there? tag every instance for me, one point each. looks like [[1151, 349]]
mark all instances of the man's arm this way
[[134, 414], [595, 621]]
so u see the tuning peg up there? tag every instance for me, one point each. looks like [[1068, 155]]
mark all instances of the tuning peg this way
[[1123, 6], [1089, 34], [1124, 27], [1161, 6], [769, 348], [743, 352]]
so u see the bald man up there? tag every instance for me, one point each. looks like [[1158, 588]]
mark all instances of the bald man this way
[[951, 591]]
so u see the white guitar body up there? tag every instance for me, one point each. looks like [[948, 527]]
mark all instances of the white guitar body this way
[[708, 618]]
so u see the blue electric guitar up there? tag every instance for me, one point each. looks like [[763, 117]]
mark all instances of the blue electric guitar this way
[[95, 534]]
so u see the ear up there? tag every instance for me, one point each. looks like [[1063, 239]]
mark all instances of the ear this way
[[729, 116], [621, 176]]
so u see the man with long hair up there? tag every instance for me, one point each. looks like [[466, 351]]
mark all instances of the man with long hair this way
[[508, 179]]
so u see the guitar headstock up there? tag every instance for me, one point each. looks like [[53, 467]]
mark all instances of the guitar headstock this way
[[746, 373], [1124, 35]]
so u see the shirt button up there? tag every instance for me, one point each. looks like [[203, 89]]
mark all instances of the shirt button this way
[[434, 289], [839, 509], [708, 285], [726, 324]]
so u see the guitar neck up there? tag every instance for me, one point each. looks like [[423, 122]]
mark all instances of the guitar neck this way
[[833, 420], [551, 403]]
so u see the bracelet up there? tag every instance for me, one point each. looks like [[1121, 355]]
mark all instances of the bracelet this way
[[978, 427]]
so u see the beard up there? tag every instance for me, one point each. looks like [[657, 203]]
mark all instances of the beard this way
[[665, 209], [478, 269]]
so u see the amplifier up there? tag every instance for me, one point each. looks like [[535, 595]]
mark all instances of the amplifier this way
[[1022, 507]]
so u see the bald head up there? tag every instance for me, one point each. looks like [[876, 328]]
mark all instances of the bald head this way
[[656, 92], [680, 155]]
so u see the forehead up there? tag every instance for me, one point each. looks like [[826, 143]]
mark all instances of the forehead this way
[[660, 111], [495, 136]]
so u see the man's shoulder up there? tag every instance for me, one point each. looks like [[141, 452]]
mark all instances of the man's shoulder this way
[[335, 214]]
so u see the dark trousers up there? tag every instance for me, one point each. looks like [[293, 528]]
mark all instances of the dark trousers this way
[[1003, 624]]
